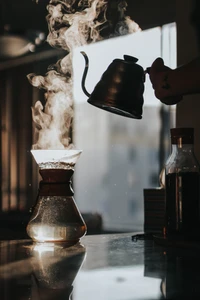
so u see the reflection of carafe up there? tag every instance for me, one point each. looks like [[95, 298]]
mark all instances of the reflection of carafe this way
[[54, 270], [56, 216]]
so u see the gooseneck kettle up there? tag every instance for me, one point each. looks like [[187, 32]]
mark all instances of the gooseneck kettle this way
[[120, 89]]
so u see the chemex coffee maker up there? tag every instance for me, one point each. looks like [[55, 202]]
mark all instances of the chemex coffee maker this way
[[56, 217], [120, 89]]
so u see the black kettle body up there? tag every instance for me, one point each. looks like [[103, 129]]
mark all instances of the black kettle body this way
[[120, 89]]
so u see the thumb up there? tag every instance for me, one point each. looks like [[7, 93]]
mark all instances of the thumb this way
[[157, 65]]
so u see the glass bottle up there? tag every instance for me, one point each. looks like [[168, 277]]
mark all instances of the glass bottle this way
[[182, 191]]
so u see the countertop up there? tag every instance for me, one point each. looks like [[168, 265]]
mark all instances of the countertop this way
[[100, 267]]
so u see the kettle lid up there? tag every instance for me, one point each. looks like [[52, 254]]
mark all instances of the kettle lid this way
[[129, 58]]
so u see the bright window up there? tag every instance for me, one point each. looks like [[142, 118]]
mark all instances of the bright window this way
[[120, 155]]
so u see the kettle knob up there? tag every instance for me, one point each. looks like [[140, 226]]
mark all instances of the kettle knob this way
[[130, 58]]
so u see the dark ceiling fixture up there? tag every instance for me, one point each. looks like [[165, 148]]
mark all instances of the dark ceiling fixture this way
[[18, 44], [17, 38]]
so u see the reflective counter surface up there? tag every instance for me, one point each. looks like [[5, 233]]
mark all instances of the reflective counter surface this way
[[101, 267]]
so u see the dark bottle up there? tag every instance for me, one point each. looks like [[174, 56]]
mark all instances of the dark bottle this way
[[182, 186]]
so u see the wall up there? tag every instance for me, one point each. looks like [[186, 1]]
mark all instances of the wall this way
[[152, 13], [188, 110], [27, 14], [21, 16]]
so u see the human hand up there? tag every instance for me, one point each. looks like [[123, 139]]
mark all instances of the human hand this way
[[159, 75]]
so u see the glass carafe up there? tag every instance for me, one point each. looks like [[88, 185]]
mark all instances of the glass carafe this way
[[56, 217]]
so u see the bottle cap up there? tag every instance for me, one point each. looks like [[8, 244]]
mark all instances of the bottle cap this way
[[182, 135]]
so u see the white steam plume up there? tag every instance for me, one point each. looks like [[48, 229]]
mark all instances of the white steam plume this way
[[72, 23]]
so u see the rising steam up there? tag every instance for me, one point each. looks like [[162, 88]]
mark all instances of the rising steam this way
[[71, 24]]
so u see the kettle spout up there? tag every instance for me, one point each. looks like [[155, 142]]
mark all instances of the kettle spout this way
[[85, 74]]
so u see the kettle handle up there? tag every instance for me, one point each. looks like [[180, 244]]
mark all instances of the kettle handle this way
[[85, 74]]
